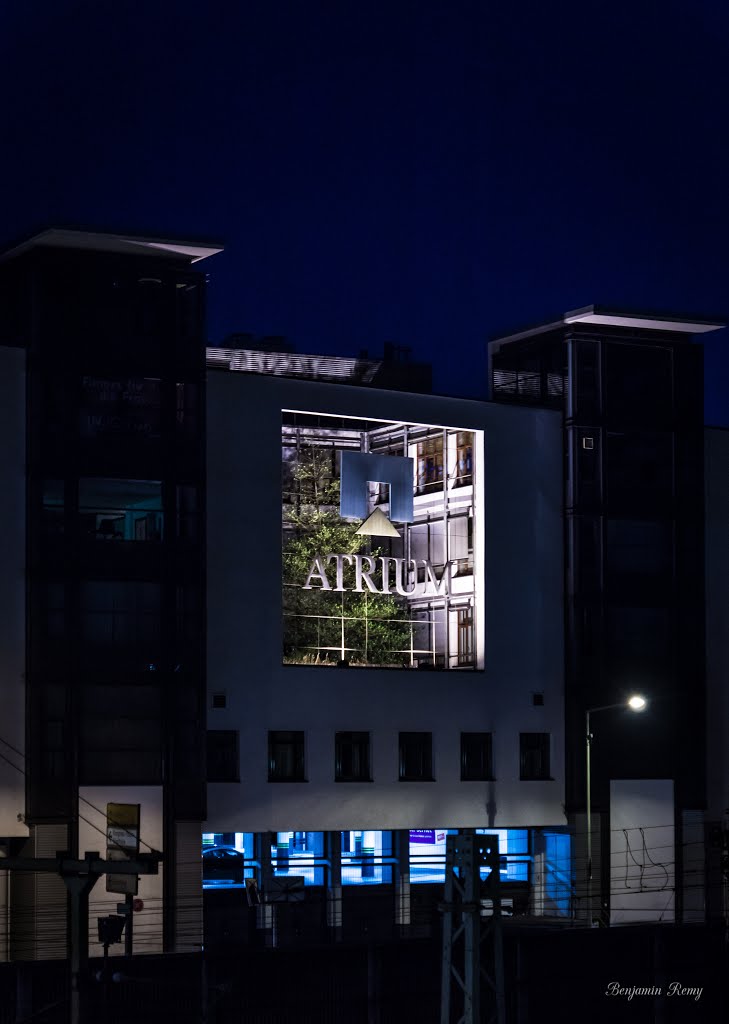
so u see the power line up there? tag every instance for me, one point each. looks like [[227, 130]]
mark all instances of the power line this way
[[80, 797]]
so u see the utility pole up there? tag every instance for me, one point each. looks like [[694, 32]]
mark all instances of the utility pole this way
[[472, 944], [80, 876]]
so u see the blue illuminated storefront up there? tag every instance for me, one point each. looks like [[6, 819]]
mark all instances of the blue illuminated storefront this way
[[530, 858]]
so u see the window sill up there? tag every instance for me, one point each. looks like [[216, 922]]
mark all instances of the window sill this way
[[354, 780], [276, 781]]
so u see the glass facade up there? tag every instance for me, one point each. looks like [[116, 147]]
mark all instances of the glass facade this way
[[378, 543], [367, 857]]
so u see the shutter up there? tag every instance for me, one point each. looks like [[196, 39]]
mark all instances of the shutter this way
[[189, 910]]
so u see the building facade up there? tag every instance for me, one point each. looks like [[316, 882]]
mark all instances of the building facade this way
[[630, 387], [104, 639], [381, 557], [313, 621]]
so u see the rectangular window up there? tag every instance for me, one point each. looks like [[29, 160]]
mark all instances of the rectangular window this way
[[464, 456], [476, 756], [121, 624], [286, 756], [120, 733], [427, 854], [466, 649], [296, 855], [366, 857], [120, 509], [352, 757], [416, 757], [534, 756], [222, 755], [430, 464]]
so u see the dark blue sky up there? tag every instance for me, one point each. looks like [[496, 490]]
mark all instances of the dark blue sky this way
[[423, 173]]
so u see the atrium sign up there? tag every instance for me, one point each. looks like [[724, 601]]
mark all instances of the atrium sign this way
[[392, 572]]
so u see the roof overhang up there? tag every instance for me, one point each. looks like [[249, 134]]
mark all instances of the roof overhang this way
[[132, 245], [605, 316], [601, 316]]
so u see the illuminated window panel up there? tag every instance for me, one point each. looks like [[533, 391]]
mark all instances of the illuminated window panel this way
[[299, 854], [514, 851], [228, 859], [382, 529], [427, 855], [367, 858]]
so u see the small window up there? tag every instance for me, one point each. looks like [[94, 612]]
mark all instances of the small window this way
[[534, 756], [416, 757], [588, 443], [476, 756], [220, 701], [222, 755], [286, 756], [352, 757], [538, 700]]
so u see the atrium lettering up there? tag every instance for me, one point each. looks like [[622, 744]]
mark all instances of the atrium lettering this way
[[382, 575]]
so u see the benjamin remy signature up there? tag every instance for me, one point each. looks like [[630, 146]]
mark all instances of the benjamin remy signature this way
[[674, 988]]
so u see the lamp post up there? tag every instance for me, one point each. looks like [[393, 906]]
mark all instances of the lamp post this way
[[635, 703]]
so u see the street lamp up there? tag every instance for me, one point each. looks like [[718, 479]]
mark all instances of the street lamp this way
[[636, 703]]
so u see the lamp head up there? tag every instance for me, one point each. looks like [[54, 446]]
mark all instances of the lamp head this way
[[637, 703]]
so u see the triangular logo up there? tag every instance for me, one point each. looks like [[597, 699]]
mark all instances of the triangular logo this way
[[377, 525]]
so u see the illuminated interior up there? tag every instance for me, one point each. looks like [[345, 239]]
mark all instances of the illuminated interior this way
[[374, 590]]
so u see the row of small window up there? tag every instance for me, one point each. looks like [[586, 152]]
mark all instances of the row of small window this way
[[352, 757]]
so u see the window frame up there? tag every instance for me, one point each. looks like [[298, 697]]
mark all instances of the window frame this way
[[360, 751], [297, 743], [424, 756], [485, 756], [543, 749]]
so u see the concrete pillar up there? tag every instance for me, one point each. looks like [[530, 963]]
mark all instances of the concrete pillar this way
[[401, 844], [334, 885]]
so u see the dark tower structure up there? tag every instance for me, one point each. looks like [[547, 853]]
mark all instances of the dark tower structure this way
[[113, 329], [631, 387]]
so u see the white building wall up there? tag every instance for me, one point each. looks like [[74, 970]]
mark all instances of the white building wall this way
[[523, 628], [642, 851], [147, 928], [12, 592]]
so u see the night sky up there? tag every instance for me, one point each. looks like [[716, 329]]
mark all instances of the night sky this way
[[429, 174]]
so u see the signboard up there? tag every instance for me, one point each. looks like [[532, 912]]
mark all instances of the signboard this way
[[428, 836], [122, 843], [423, 835]]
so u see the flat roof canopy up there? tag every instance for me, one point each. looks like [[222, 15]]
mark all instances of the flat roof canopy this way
[[610, 317], [99, 241]]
